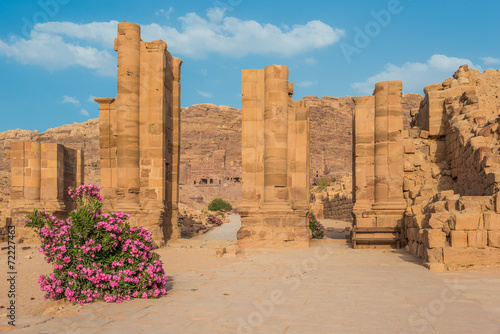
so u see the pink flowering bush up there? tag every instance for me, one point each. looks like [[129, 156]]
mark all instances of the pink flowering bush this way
[[97, 256], [214, 220], [317, 229]]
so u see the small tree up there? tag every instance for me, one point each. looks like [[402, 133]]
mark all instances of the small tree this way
[[218, 204]]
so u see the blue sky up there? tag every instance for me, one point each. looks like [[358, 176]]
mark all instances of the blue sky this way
[[56, 55]]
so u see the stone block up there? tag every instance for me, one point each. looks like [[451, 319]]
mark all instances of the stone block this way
[[494, 239], [434, 238], [411, 233], [458, 239], [491, 221], [434, 255], [421, 251], [477, 239], [437, 220], [420, 221], [437, 207], [424, 134], [491, 161], [451, 205], [465, 221], [410, 149], [467, 257]]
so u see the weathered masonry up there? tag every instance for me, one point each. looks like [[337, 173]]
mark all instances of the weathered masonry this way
[[139, 135], [275, 162]]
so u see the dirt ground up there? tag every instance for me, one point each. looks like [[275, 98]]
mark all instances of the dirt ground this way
[[30, 265]]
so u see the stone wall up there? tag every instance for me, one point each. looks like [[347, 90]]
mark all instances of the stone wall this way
[[41, 175], [461, 115], [451, 167], [140, 134], [453, 231], [452, 170], [335, 201]]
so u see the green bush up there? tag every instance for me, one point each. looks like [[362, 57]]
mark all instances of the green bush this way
[[218, 204], [317, 229], [322, 184]]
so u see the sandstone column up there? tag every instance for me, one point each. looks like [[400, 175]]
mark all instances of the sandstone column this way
[[140, 133], [127, 109], [275, 162], [363, 158], [379, 202], [276, 135], [107, 145], [388, 146], [33, 171], [176, 140]]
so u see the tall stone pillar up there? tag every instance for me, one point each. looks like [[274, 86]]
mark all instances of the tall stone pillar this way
[[363, 169], [275, 162], [108, 148], [140, 133], [388, 146], [378, 161], [127, 109], [176, 140], [276, 136]]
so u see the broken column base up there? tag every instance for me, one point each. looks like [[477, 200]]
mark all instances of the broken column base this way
[[274, 230]]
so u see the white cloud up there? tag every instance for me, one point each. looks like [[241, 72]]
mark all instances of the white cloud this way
[[490, 60], [416, 76], [84, 112], [103, 33], [59, 45], [310, 61], [53, 53], [204, 94], [91, 98], [233, 37], [70, 99], [166, 13], [306, 83], [204, 72]]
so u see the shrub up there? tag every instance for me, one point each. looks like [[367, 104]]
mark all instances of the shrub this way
[[214, 220], [322, 184], [97, 256], [317, 229], [218, 204]]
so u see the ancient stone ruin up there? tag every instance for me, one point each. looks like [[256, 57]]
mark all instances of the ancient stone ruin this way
[[139, 135], [439, 178], [378, 162], [41, 175], [275, 162], [431, 186], [334, 202]]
